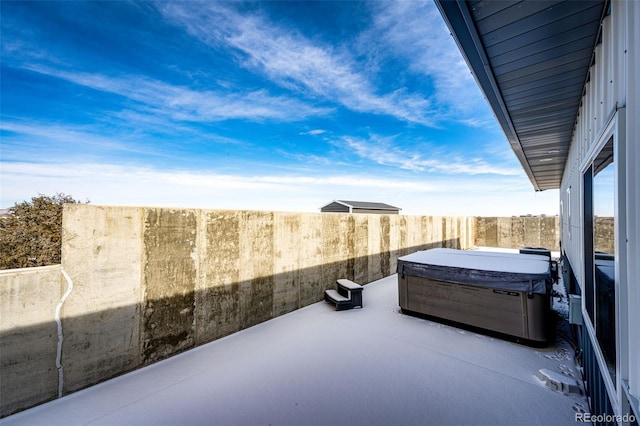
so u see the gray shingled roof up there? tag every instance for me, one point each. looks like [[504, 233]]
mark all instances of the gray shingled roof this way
[[367, 205]]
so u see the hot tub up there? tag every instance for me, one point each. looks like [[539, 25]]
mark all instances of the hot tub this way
[[507, 293]]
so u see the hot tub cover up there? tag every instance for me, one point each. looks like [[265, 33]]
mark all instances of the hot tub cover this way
[[529, 273]]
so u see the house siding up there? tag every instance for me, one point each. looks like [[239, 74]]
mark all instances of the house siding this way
[[610, 101]]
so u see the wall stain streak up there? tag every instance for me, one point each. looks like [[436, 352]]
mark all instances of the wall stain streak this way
[[169, 277], [385, 245]]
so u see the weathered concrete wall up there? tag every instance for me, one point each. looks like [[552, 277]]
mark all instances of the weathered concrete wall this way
[[28, 336], [103, 255], [148, 283], [518, 231]]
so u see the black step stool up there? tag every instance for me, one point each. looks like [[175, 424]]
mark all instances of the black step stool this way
[[347, 296]]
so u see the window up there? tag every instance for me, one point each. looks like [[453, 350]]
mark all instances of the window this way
[[567, 214], [599, 244]]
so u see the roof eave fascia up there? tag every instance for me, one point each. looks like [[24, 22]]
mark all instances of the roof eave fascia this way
[[349, 206], [460, 22]]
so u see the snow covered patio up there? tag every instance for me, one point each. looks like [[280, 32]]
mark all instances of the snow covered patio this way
[[319, 366]]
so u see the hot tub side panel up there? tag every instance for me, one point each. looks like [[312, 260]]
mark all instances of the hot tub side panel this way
[[509, 312]]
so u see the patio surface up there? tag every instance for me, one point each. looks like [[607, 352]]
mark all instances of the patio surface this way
[[319, 366]]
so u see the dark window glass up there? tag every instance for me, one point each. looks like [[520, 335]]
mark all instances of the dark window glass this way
[[589, 284], [604, 254], [599, 249]]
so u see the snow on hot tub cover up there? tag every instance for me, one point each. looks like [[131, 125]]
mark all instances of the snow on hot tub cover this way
[[509, 271]]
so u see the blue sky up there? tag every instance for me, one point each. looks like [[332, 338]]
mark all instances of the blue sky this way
[[233, 105]]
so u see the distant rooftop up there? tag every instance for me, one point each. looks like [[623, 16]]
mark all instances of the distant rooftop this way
[[359, 206], [318, 366]]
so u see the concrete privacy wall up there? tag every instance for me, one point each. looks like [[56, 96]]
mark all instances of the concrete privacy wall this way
[[28, 336], [147, 283], [518, 231], [535, 231]]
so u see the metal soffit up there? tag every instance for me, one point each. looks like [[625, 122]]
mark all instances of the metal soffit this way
[[531, 60]]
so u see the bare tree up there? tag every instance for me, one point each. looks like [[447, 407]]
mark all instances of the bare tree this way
[[31, 235]]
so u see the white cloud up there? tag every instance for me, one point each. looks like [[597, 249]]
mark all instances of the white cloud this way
[[314, 132], [416, 31], [138, 186], [48, 141], [182, 103], [382, 151], [59, 133], [416, 179], [295, 62]]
